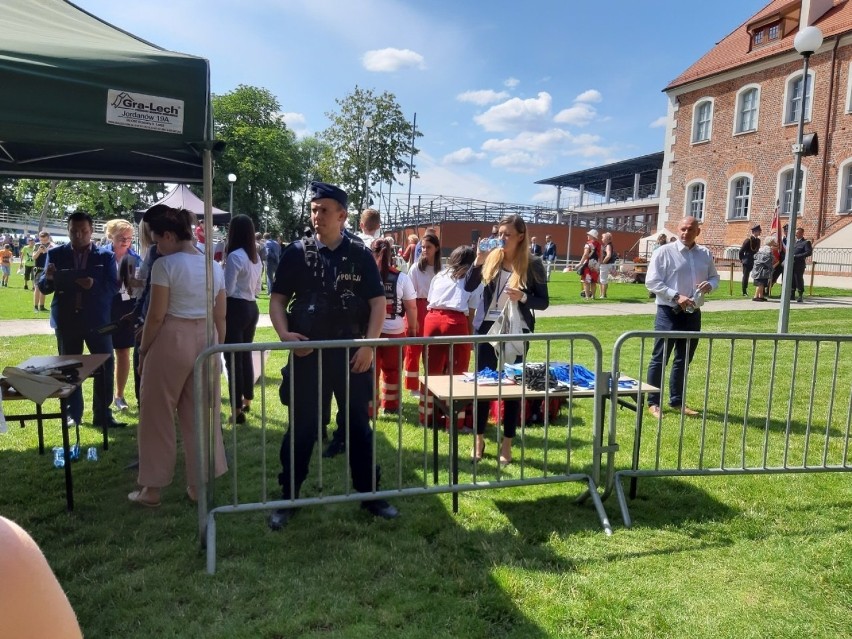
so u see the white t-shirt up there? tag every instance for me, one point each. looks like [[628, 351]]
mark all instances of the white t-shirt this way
[[404, 291], [449, 294], [421, 280], [186, 278], [242, 276]]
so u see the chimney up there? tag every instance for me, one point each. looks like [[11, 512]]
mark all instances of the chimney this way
[[813, 10]]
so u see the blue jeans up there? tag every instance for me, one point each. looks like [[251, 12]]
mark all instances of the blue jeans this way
[[668, 320]]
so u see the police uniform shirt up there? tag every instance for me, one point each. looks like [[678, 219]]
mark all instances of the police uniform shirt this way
[[294, 277]]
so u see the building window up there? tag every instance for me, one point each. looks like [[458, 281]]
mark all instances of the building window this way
[[793, 106], [758, 37], [747, 105], [740, 198], [845, 196], [702, 121], [786, 195], [774, 30], [695, 201]]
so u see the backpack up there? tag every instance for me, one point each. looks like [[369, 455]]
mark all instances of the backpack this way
[[393, 305]]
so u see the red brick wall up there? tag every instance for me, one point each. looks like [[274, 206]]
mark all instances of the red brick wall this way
[[765, 152], [454, 234]]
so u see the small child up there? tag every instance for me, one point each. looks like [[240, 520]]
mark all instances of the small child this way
[[6, 263]]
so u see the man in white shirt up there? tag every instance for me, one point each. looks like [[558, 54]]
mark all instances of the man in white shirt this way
[[678, 272], [371, 226]]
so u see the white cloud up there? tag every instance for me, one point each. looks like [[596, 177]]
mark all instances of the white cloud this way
[[388, 60], [439, 180], [580, 114], [296, 122], [462, 156], [532, 141], [511, 83], [482, 96], [544, 194], [592, 95], [519, 162], [516, 114], [659, 123]]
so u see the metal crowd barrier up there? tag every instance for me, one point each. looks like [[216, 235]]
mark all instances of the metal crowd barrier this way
[[768, 403], [414, 460]]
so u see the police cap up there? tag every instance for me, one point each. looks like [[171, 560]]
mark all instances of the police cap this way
[[321, 190]]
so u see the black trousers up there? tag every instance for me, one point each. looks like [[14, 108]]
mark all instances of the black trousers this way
[[487, 357], [748, 265], [240, 324], [798, 276], [69, 341], [311, 392]]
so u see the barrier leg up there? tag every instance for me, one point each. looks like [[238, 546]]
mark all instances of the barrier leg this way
[[211, 544], [622, 501]]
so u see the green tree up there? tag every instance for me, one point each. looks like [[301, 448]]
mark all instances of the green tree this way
[[262, 152], [384, 149], [102, 200], [313, 153]]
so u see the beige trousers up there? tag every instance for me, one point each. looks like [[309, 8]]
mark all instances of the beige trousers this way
[[166, 389]]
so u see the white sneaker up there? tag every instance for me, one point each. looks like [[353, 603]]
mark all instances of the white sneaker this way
[[71, 423], [119, 404], [415, 394]]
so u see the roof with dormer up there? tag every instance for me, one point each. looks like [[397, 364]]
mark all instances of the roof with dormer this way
[[737, 48]]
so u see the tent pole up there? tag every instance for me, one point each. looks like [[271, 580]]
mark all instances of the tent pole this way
[[211, 402]]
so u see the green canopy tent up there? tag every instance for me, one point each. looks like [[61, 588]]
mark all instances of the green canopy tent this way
[[82, 99]]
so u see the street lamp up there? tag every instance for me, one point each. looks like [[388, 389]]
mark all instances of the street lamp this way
[[265, 217], [232, 177], [368, 124], [806, 42]]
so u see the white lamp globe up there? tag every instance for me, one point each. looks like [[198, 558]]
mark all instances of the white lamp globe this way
[[808, 40]]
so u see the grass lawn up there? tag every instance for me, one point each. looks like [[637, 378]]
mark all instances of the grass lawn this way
[[564, 288], [734, 557]]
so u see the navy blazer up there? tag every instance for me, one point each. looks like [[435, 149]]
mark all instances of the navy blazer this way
[[96, 302]]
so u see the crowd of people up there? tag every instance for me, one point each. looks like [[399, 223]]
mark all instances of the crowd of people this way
[[148, 311]]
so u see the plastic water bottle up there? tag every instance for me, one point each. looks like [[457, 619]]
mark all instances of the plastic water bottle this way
[[58, 457], [74, 452], [697, 301], [490, 243], [92, 454]]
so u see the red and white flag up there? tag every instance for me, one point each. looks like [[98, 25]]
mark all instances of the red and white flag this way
[[776, 225]]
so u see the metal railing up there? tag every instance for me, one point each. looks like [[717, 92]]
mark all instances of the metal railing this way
[[769, 404], [414, 461]]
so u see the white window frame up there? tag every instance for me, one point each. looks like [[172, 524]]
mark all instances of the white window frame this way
[[733, 197], [688, 201], [786, 112], [696, 123], [781, 191], [739, 111], [844, 187], [849, 89]]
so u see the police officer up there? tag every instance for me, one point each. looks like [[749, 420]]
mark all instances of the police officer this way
[[318, 284]]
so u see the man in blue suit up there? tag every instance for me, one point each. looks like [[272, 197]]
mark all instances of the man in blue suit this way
[[84, 280]]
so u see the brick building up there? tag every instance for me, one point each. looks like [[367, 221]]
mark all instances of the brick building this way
[[733, 116]]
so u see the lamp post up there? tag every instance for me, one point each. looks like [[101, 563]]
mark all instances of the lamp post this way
[[806, 42], [265, 218], [368, 124], [232, 177]]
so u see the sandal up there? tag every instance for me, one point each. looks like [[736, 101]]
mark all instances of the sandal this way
[[140, 497], [505, 461], [192, 494]]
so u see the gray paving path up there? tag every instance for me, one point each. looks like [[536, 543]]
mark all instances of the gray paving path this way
[[41, 325]]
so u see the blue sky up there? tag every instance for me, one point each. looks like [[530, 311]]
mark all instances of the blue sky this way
[[506, 92]]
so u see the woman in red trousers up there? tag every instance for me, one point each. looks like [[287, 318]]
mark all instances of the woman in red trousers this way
[[421, 274]]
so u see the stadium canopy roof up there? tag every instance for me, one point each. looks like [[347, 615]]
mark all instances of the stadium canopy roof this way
[[622, 175]]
